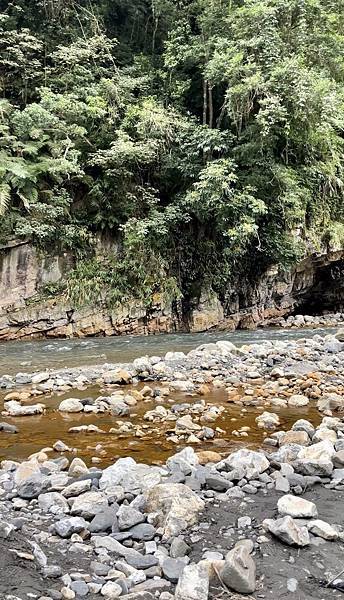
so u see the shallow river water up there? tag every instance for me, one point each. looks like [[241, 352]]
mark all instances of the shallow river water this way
[[40, 431]]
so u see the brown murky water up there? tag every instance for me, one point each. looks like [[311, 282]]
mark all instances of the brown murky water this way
[[42, 431]]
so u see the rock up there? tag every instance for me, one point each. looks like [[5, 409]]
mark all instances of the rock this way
[[77, 488], [15, 409], [292, 585], [287, 530], [71, 405], [80, 588], [184, 461], [331, 402], [295, 437], [132, 557], [88, 505], [324, 433], [218, 483], [7, 428], [6, 530], [120, 376], [179, 547], [338, 459], [267, 420], [142, 532], [208, 456], [66, 527], [340, 335], [177, 507], [32, 486], [303, 425], [53, 502], [77, 468], [128, 517], [297, 507], [172, 568], [186, 424], [193, 583], [323, 530], [252, 463], [67, 593], [298, 400], [239, 569], [60, 446], [103, 521], [130, 475], [322, 452], [111, 590]]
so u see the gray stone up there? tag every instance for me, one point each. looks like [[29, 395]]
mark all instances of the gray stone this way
[[288, 531], [142, 532], [80, 588], [172, 568], [296, 507], [239, 569], [32, 486], [111, 590], [52, 571], [128, 517], [218, 483], [77, 488], [104, 520], [66, 527], [53, 502], [6, 530], [89, 504], [8, 428], [179, 547]]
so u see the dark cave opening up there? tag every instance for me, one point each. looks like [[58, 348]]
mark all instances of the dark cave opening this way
[[324, 294]]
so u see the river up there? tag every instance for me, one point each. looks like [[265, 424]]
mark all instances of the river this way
[[38, 355]]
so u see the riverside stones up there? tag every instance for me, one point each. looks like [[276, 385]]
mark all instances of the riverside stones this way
[[297, 507], [71, 405], [130, 475], [252, 463], [239, 569], [176, 505], [288, 531], [193, 584], [323, 530]]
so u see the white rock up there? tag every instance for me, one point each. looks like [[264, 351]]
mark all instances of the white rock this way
[[323, 530], [193, 583], [297, 507], [298, 400], [177, 507], [71, 405], [287, 530], [130, 475]]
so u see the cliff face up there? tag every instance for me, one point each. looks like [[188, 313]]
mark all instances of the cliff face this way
[[314, 285]]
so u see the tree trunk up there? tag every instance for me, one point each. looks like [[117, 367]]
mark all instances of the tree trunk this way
[[211, 106], [205, 101]]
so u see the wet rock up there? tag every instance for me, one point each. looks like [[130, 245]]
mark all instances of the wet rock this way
[[15, 409], [176, 505], [267, 420], [297, 507], [71, 405], [288, 531], [193, 583], [8, 428], [298, 400], [239, 569]]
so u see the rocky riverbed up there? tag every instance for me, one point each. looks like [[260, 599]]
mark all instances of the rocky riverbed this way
[[208, 522]]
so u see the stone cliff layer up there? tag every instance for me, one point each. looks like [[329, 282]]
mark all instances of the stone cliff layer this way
[[315, 285]]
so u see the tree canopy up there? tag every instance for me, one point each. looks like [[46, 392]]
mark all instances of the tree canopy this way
[[205, 135]]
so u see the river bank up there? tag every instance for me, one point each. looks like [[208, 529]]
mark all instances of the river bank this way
[[167, 527]]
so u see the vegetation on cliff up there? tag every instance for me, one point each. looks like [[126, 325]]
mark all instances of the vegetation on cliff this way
[[204, 136]]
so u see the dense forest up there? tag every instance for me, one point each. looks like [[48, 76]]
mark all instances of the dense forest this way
[[204, 136]]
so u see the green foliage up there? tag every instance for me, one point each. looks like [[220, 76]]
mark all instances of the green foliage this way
[[205, 137]]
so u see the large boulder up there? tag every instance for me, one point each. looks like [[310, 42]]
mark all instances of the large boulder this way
[[288, 531], [132, 476], [253, 463], [239, 569], [297, 507], [176, 505], [184, 461]]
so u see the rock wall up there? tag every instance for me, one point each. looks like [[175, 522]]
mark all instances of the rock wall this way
[[315, 284]]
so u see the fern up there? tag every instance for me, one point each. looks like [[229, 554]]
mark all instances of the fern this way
[[5, 196]]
